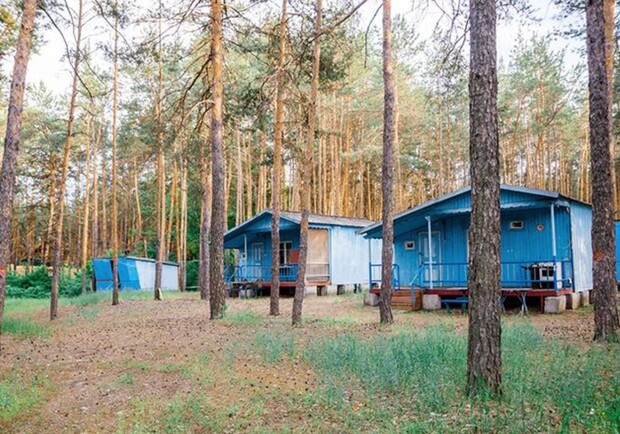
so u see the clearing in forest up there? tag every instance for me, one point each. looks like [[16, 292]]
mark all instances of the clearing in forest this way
[[148, 366]]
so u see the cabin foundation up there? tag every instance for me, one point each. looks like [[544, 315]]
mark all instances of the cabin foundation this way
[[585, 298], [573, 300], [431, 302], [371, 299], [555, 304]]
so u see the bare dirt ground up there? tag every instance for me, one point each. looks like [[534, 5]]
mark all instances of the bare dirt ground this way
[[110, 366]]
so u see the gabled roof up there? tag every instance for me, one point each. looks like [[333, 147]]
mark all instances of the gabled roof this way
[[320, 219], [295, 218], [551, 195]]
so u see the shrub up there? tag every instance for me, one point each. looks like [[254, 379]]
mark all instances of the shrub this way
[[38, 284]]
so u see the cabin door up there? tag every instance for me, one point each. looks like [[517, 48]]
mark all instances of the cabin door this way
[[317, 268], [255, 267], [433, 263]]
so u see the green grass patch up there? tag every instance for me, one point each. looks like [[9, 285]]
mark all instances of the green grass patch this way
[[89, 299], [419, 378], [19, 394], [243, 317], [24, 328], [272, 346], [124, 380]]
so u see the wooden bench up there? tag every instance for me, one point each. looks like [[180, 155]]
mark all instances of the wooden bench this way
[[462, 301]]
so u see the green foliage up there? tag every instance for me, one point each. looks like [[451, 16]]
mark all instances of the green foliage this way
[[19, 394], [38, 284], [547, 384], [191, 275]]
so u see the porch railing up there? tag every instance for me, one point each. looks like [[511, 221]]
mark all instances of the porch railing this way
[[547, 274], [262, 273], [374, 275]]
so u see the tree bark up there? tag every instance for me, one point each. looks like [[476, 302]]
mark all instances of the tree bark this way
[[484, 366], [114, 216], [274, 299], [11, 140], [387, 172], [86, 214], [218, 214], [205, 226], [161, 176], [305, 168], [599, 45], [57, 245]]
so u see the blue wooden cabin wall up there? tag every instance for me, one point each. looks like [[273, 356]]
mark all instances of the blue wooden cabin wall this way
[[518, 245]]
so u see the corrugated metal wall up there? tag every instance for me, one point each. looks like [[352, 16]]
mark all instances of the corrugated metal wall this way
[[349, 256], [581, 234]]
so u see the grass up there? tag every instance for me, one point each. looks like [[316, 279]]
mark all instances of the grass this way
[[420, 377], [272, 346], [19, 394], [246, 318], [24, 328]]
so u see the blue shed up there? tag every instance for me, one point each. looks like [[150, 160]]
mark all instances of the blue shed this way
[[337, 255], [134, 273], [545, 243]]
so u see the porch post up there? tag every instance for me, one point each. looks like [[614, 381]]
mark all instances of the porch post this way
[[369, 264], [554, 249], [430, 251], [245, 256]]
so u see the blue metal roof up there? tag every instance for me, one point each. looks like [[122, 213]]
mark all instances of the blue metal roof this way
[[291, 220], [458, 202]]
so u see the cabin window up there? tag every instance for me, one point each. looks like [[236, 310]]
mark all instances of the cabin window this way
[[516, 224], [285, 252], [409, 245]]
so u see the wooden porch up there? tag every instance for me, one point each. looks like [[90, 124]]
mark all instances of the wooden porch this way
[[401, 298]]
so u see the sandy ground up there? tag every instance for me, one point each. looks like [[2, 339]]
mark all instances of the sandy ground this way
[[101, 359]]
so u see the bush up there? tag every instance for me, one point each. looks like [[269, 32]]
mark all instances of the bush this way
[[38, 284], [191, 275]]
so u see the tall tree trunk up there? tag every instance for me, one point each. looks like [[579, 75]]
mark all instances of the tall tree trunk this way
[[104, 199], [306, 167], [484, 362], [218, 210], [114, 215], [86, 215], [205, 226], [182, 233], [161, 177], [57, 245], [274, 302], [599, 44], [95, 232], [387, 172], [140, 239], [239, 212], [11, 140], [52, 210], [248, 186]]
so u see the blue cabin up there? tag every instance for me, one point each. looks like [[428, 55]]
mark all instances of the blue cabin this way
[[545, 243], [337, 255], [134, 273]]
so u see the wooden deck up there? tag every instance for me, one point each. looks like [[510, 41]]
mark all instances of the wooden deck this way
[[401, 298]]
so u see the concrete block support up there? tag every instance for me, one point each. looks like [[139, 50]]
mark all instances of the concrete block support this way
[[573, 300], [371, 299], [555, 304], [310, 290], [431, 302], [585, 298]]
